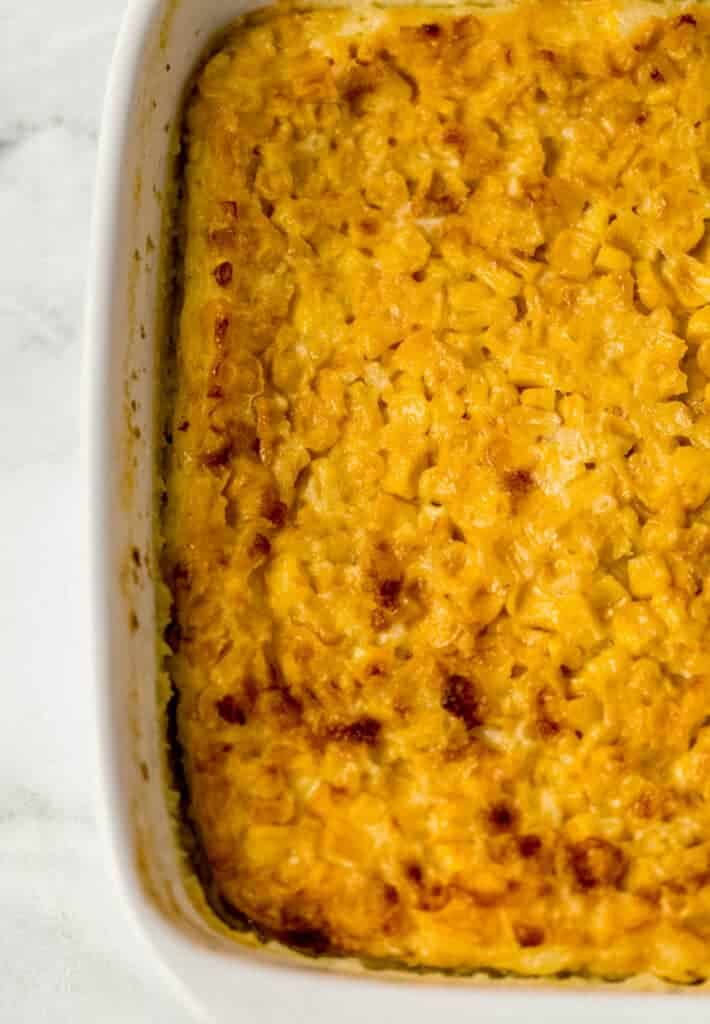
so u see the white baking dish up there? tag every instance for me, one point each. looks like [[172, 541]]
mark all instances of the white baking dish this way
[[158, 46]]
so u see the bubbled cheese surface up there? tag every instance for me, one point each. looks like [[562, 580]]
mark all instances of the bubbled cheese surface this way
[[437, 528]]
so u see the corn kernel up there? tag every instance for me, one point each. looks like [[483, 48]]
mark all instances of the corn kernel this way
[[469, 295], [572, 254], [691, 470], [704, 357], [539, 398], [690, 279], [498, 279], [652, 292], [699, 324], [612, 259], [648, 575]]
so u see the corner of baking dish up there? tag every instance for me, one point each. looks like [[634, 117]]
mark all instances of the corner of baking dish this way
[[159, 44]]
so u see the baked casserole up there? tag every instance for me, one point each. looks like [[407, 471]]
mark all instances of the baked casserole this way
[[437, 528]]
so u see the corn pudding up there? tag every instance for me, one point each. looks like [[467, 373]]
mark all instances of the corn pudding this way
[[437, 527]]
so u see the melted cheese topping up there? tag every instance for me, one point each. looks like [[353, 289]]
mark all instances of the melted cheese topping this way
[[437, 527]]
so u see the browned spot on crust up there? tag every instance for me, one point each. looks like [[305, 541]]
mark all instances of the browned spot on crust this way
[[180, 577], [596, 862], [434, 897], [686, 19], [219, 457], [447, 204], [455, 137], [529, 845], [391, 895], [133, 623], [518, 482], [546, 723], [230, 208], [527, 935], [185, 425], [356, 91], [430, 30], [308, 940], [460, 698], [439, 196], [657, 76], [369, 227], [173, 635], [274, 510], [223, 273], [229, 710], [502, 816], [260, 546], [385, 574], [389, 592], [136, 556], [363, 730], [414, 873]]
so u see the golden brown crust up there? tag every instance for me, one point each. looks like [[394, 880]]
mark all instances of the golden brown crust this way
[[437, 530]]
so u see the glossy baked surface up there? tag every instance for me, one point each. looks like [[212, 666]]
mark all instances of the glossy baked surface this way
[[437, 527]]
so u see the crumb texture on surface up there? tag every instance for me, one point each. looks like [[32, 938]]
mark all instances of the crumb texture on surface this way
[[437, 527]]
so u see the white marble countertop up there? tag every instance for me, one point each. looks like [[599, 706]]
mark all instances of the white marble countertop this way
[[67, 950]]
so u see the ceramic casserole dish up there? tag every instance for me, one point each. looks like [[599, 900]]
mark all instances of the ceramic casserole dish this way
[[160, 43]]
